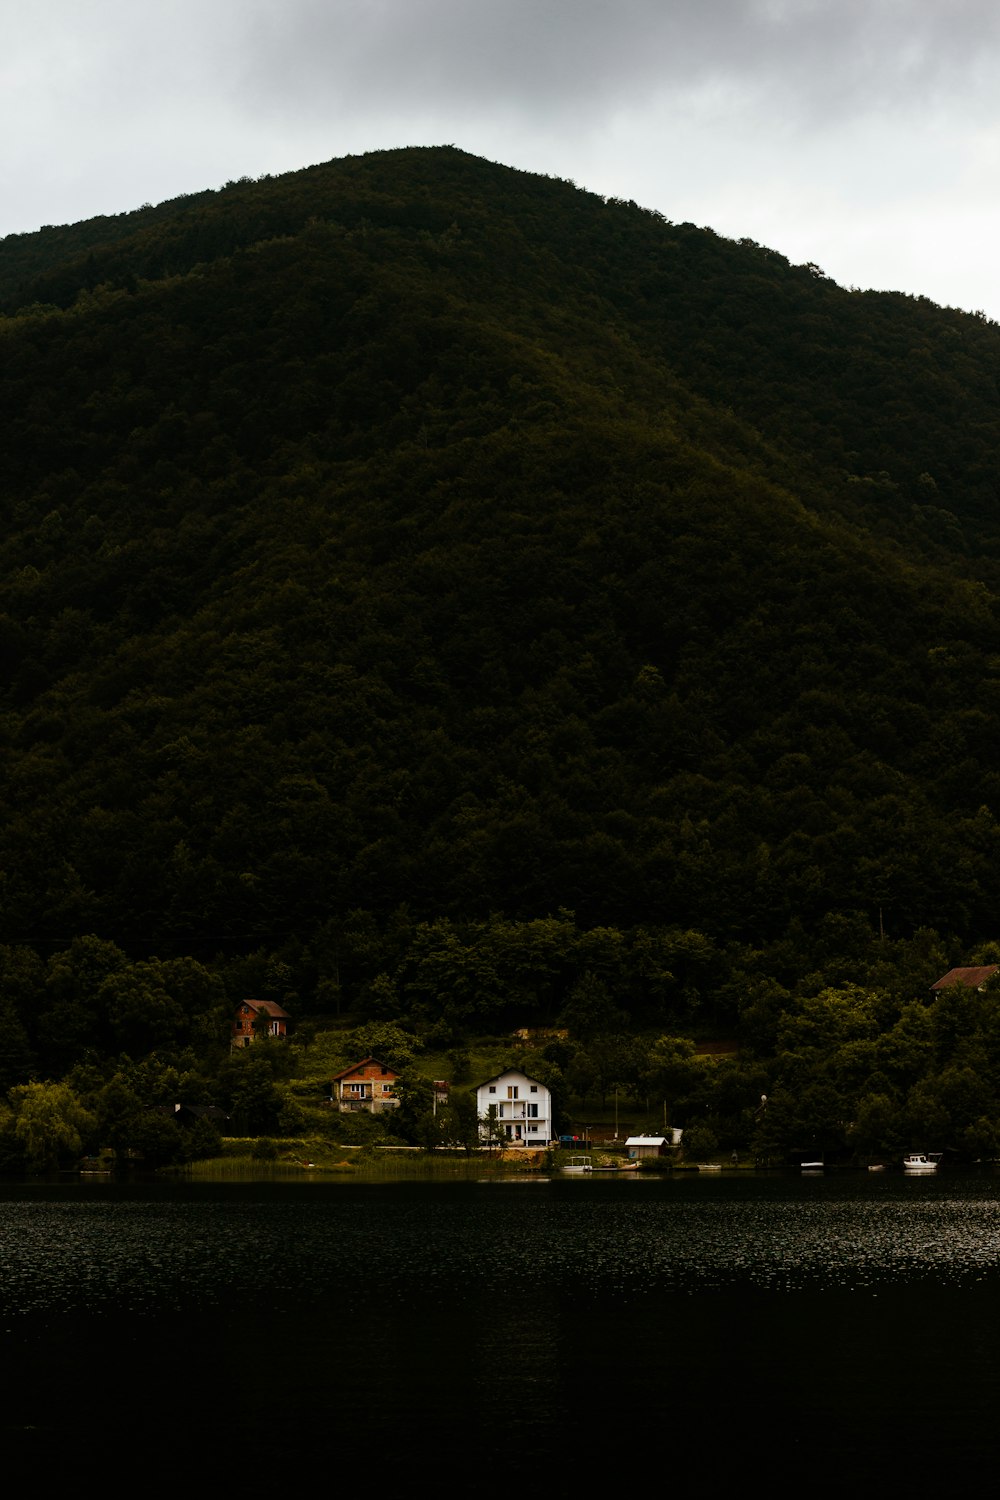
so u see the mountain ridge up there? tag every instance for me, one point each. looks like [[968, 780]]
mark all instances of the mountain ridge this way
[[411, 532]]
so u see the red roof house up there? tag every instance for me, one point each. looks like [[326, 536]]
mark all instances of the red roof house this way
[[972, 979], [369, 1084], [256, 1018]]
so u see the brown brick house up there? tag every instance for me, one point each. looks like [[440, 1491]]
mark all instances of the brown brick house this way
[[369, 1084], [258, 1017]]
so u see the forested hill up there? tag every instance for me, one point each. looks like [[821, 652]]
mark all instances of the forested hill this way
[[410, 542]]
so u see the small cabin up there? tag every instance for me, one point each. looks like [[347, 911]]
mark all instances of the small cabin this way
[[258, 1018]]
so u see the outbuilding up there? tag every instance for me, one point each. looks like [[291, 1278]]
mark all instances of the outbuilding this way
[[639, 1146]]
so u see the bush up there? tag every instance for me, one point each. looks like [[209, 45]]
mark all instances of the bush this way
[[700, 1142]]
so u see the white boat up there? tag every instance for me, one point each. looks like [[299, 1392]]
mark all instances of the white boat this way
[[579, 1164], [917, 1161]]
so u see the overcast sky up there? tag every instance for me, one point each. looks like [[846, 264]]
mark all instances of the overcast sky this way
[[863, 135]]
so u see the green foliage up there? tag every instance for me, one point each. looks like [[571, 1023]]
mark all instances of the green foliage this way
[[700, 1142], [443, 602], [50, 1123], [391, 1044], [254, 1100], [491, 1133], [411, 533]]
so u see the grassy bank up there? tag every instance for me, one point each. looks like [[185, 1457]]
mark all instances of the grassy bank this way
[[313, 1156]]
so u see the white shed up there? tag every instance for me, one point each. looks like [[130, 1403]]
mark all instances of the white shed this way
[[652, 1145]]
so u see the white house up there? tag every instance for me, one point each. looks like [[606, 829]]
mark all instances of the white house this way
[[523, 1108]]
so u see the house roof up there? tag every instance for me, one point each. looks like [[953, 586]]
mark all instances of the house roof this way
[[973, 979], [363, 1064], [646, 1140], [269, 1006], [509, 1073], [184, 1112]]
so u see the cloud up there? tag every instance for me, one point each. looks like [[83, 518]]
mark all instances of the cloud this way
[[851, 133], [808, 59]]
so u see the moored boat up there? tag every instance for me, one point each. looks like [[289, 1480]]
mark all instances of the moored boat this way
[[579, 1164], [918, 1161]]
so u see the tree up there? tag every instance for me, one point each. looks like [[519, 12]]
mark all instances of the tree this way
[[16, 1056], [414, 1118], [254, 1101], [117, 1107], [459, 1122], [590, 1010], [671, 1069], [877, 1127], [156, 1138], [492, 1134], [50, 1123], [74, 1016]]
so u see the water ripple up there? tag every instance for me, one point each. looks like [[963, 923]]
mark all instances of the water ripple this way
[[142, 1256]]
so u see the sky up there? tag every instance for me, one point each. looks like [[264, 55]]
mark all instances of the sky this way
[[862, 135]]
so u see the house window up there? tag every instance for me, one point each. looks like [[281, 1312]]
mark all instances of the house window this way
[[512, 1091], [534, 1088], [532, 1111], [492, 1088]]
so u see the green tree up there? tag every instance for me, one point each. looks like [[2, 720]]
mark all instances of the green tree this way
[[492, 1134], [50, 1122], [118, 1108], [255, 1103], [590, 1011], [74, 1015], [414, 1118], [387, 1041]]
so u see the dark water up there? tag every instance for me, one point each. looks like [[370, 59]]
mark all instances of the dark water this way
[[777, 1335]]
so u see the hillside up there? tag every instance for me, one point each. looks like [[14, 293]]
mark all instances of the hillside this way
[[409, 545]]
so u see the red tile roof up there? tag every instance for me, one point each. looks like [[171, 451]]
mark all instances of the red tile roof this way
[[269, 1006], [364, 1063], [973, 979]]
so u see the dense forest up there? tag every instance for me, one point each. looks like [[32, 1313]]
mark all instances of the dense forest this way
[[438, 597]]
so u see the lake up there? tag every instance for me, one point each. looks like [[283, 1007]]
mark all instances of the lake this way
[[569, 1336]]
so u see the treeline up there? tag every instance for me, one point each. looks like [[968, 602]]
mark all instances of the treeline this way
[[853, 1072], [445, 981]]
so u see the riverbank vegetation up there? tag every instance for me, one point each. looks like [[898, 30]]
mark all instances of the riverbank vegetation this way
[[434, 598]]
